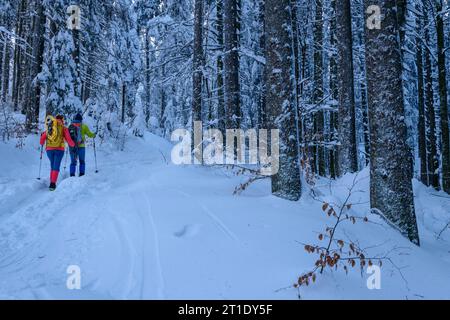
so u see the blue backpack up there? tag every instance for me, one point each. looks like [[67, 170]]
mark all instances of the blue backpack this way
[[75, 134]]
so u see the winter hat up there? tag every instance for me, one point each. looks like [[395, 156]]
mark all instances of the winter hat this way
[[78, 118]]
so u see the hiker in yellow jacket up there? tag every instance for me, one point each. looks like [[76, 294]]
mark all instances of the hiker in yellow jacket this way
[[54, 138]]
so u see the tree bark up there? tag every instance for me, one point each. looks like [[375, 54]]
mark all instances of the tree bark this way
[[2, 56], [421, 131], [319, 123], [262, 114], [333, 152], [18, 55], [231, 65], [5, 72], [124, 95], [391, 190], [348, 153], [198, 57], [445, 137], [219, 64], [38, 43], [431, 142], [280, 98]]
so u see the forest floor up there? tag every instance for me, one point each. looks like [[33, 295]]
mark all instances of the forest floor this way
[[143, 228]]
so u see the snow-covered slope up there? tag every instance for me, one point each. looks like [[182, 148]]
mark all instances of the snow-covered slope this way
[[144, 228]]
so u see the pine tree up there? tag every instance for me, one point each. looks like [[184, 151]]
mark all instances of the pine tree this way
[[421, 130], [231, 64], [8, 17], [319, 97], [334, 92], [19, 54], [61, 76], [262, 110], [348, 156], [280, 99], [38, 41], [220, 81], [391, 191], [198, 62], [443, 96]]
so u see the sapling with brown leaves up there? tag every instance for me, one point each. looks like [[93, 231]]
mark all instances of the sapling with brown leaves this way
[[334, 253]]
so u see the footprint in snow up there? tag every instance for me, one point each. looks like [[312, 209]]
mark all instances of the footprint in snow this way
[[188, 231]]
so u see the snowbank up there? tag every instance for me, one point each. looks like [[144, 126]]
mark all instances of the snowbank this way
[[143, 228]]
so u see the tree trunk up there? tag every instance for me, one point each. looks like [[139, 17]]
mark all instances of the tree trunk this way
[[319, 123], [124, 95], [231, 65], [348, 153], [431, 142], [295, 41], [262, 114], [76, 59], [5, 73], [333, 152], [163, 98], [38, 54], [2, 56], [198, 58], [219, 63], [17, 72], [280, 98], [365, 114], [445, 138], [391, 171], [421, 123]]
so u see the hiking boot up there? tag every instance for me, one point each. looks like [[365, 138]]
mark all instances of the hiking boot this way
[[81, 174], [52, 186], [72, 175]]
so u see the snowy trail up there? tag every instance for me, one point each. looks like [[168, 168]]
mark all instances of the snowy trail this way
[[151, 260], [126, 259], [145, 229]]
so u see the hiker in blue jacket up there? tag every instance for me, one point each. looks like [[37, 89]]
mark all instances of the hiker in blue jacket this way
[[78, 131]]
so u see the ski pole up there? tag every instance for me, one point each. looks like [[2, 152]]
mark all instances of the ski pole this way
[[95, 157], [40, 163], [75, 155], [65, 162]]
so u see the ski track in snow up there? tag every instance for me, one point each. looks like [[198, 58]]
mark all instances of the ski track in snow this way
[[152, 274], [126, 260], [220, 224]]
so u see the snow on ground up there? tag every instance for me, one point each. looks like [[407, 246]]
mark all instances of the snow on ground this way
[[145, 229]]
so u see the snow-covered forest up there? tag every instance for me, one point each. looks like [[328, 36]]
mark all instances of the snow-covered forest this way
[[355, 90]]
